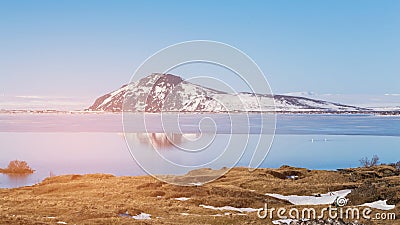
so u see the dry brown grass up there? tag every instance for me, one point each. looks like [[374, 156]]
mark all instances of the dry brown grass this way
[[100, 198]]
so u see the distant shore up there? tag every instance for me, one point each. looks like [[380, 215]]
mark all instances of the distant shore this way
[[307, 112]]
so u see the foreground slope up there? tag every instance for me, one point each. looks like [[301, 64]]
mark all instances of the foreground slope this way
[[106, 199]]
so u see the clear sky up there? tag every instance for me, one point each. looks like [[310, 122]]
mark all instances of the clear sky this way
[[88, 48]]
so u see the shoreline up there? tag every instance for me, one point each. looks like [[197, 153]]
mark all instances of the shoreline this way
[[294, 168], [40, 180], [294, 112]]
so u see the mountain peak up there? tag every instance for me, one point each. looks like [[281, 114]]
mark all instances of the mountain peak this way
[[156, 78], [164, 76]]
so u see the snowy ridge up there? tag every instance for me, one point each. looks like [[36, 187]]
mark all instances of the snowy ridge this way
[[167, 92], [375, 102]]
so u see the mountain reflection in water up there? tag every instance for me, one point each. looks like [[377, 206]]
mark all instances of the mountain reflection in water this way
[[165, 141]]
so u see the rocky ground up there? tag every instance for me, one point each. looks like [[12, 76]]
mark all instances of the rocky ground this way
[[106, 199]]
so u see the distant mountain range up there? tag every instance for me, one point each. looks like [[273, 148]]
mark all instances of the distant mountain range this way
[[167, 92]]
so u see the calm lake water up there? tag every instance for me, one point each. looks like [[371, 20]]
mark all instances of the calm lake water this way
[[94, 143]]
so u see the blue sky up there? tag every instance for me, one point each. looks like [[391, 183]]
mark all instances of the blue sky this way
[[87, 48]]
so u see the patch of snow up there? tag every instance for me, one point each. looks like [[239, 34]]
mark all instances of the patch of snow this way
[[381, 204], [185, 214], [313, 200], [229, 208], [61, 222], [142, 216], [285, 221], [182, 199]]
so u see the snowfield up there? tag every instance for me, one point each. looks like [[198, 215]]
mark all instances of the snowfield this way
[[229, 208], [327, 198], [381, 204]]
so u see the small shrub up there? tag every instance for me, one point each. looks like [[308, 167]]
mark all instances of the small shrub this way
[[365, 162], [374, 160], [17, 166]]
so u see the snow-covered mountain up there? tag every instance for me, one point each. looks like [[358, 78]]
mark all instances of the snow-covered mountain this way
[[167, 92], [376, 102]]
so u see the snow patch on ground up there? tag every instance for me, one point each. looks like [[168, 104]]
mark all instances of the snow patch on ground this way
[[285, 221], [229, 208], [327, 198], [182, 199], [218, 214], [142, 216], [381, 204]]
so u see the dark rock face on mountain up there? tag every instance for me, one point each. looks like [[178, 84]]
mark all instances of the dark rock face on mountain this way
[[167, 92], [162, 87]]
